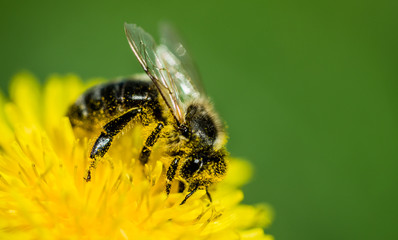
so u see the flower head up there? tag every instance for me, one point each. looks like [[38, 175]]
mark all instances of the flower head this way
[[44, 195]]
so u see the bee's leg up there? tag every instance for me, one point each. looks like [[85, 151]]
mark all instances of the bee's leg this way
[[192, 191], [171, 172], [103, 142], [111, 129], [150, 141], [208, 194]]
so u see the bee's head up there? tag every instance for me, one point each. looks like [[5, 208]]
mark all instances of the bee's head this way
[[204, 168]]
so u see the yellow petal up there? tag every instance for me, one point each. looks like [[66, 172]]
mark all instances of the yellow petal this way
[[44, 196]]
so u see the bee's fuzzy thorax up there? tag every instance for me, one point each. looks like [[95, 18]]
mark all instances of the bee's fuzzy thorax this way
[[203, 108]]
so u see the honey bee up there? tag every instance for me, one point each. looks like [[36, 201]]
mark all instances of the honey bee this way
[[170, 95]]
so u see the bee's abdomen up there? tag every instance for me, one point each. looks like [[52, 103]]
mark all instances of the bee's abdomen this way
[[106, 101]]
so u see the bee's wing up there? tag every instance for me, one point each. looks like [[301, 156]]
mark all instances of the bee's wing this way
[[171, 39], [165, 70]]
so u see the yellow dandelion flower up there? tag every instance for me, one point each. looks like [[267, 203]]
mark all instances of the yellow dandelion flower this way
[[44, 196]]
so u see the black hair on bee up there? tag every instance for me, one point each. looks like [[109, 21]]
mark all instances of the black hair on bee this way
[[169, 97]]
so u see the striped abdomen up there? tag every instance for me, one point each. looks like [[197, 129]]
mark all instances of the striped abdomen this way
[[107, 101]]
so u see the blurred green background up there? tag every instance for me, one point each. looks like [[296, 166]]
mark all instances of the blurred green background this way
[[307, 88]]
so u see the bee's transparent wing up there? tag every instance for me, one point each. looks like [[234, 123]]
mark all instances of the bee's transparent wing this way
[[165, 69], [186, 66], [145, 49]]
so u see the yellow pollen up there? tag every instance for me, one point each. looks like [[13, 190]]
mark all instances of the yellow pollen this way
[[44, 196]]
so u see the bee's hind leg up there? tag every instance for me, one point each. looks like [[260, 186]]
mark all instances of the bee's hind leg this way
[[104, 141]]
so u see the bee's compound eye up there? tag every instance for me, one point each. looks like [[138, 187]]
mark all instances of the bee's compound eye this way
[[195, 165], [191, 166]]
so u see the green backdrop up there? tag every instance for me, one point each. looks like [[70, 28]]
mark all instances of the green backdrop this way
[[307, 88]]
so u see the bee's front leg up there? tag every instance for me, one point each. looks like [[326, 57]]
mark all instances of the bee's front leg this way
[[192, 189]]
